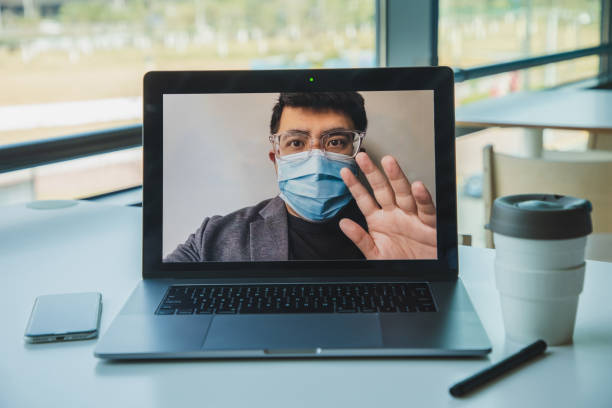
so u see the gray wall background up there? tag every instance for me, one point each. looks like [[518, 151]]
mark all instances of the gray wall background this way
[[216, 151]]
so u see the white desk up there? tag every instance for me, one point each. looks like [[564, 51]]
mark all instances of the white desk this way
[[571, 109], [94, 247]]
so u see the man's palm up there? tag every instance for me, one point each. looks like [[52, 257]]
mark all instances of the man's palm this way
[[401, 220]]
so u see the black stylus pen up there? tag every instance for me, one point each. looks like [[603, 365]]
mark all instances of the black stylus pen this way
[[522, 356]]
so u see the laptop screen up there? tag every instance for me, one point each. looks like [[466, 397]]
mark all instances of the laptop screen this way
[[299, 176]]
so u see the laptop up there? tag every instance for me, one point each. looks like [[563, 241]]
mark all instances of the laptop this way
[[298, 213]]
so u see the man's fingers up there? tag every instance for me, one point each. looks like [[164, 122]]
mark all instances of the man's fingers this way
[[360, 237], [400, 184], [425, 205], [364, 200], [382, 190]]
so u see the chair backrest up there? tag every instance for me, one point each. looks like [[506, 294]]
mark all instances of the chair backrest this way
[[599, 141], [578, 176]]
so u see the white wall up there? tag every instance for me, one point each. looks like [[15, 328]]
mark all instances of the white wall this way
[[216, 151]]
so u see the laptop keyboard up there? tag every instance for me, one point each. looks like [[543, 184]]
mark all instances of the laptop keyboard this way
[[352, 298]]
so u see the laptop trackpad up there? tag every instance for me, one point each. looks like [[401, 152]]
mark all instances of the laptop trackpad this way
[[293, 332]]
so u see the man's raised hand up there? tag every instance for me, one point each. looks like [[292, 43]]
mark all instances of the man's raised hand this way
[[401, 217]]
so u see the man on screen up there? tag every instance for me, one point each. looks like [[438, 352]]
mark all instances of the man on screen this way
[[323, 211]]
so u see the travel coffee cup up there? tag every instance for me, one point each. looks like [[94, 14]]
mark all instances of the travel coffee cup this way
[[539, 263]]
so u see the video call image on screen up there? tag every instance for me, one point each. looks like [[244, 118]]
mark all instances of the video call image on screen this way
[[299, 176]]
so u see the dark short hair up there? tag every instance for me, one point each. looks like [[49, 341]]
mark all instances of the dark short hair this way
[[349, 103]]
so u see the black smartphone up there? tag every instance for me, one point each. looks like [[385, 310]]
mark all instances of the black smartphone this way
[[70, 316]]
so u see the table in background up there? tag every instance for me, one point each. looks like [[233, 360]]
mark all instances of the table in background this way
[[96, 247], [570, 109]]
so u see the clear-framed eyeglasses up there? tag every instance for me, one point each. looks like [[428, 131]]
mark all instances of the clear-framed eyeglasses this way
[[345, 142]]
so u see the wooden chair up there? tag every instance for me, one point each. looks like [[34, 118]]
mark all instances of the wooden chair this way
[[578, 174], [599, 141]]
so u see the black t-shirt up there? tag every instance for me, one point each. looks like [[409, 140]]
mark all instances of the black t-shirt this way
[[324, 240]]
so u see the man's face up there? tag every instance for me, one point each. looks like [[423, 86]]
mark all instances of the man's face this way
[[312, 122]]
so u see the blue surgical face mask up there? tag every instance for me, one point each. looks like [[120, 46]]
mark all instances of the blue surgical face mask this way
[[311, 184]]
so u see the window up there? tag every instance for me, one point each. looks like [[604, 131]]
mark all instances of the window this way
[[481, 32], [73, 66]]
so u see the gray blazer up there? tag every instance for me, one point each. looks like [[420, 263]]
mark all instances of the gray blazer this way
[[257, 233]]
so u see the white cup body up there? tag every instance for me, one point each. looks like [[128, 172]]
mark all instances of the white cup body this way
[[539, 283]]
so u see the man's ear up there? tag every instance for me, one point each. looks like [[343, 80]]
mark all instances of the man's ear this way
[[272, 158]]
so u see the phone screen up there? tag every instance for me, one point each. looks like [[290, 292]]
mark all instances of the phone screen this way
[[71, 316]]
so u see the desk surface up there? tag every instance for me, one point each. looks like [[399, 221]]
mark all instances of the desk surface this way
[[94, 247], [583, 109]]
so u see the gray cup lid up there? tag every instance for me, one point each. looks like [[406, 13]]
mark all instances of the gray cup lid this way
[[541, 216]]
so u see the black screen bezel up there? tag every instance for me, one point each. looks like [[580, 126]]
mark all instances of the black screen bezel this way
[[438, 79]]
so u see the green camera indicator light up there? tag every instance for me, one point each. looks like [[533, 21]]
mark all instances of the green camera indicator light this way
[[311, 79]]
